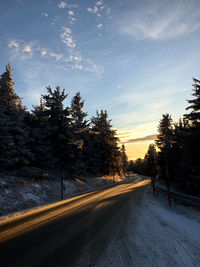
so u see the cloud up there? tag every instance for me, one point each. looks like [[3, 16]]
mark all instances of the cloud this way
[[57, 56], [13, 44], [66, 37], [71, 13], [43, 52], [73, 19], [27, 48], [21, 49], [142, 139], [161, 20], [99, 26], [93, 10], [99, 3], [62, 4], [45, 14], [74, 54], [77, 66]]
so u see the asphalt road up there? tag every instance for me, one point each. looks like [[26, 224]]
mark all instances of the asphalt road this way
[[73, 232]]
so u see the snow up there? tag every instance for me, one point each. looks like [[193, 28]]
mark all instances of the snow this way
[[31, 196], [21, 193], [155, 234]]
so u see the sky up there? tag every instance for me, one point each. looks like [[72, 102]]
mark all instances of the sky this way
[[133, 58]]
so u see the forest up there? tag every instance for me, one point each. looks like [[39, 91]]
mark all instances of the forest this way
[[54, 136], [175, 156]]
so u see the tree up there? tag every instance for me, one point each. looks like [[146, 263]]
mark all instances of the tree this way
[[194, 115], [124, 159], [140, 166], [8, 97], [39, 141], [59, 131], [131, 166], [106, 152], [80, 127], [151, 159], [192, 137], [164, 143], [13, 131]]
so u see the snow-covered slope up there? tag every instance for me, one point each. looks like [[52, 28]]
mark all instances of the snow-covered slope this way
[[19, 194]]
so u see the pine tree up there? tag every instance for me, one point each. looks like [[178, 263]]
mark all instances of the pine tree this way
[[106, 154], [39, 143], [80, 127], [131, 166], [13, 132], [192, 139], [164, 137], [151, 159], [124, 159], [194, 115], [164, 143], [8, 97], [59, 132]]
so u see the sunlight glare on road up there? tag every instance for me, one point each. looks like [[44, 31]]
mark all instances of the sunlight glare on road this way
[[32, 219]]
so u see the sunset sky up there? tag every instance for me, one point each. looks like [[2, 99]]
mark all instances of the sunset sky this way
[[133, 58]]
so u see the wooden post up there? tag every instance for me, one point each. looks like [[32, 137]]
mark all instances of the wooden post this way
[[153, 179], [168, 186], [61, 183]]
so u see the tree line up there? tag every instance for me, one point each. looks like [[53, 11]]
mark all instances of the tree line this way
[[54, 136], [178, 158]]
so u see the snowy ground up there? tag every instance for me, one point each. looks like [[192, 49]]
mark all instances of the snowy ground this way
[[19, 194], [155, 234]]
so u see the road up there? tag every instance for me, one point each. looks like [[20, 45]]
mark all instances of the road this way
[[73, 232]]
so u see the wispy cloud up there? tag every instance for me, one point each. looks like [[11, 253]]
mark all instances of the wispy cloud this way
[[62, 4], [161, 20], [71, 13], [75, 57], [99, 9], [93, 10], [142, 139], [21, 49], [99, 3], [45, 14], [14, 45], [43, 52], [56, 56], [66, 37], [27, 48]]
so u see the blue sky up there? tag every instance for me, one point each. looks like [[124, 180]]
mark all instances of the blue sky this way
[[136, 59]]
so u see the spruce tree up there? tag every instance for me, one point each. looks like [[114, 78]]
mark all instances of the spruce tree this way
[[106, 151], [164, 143], [194, 115], [13, 131], [192, 138], [40, 144], [124, 159], [151, 159], [80, 127], [59, 131]]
